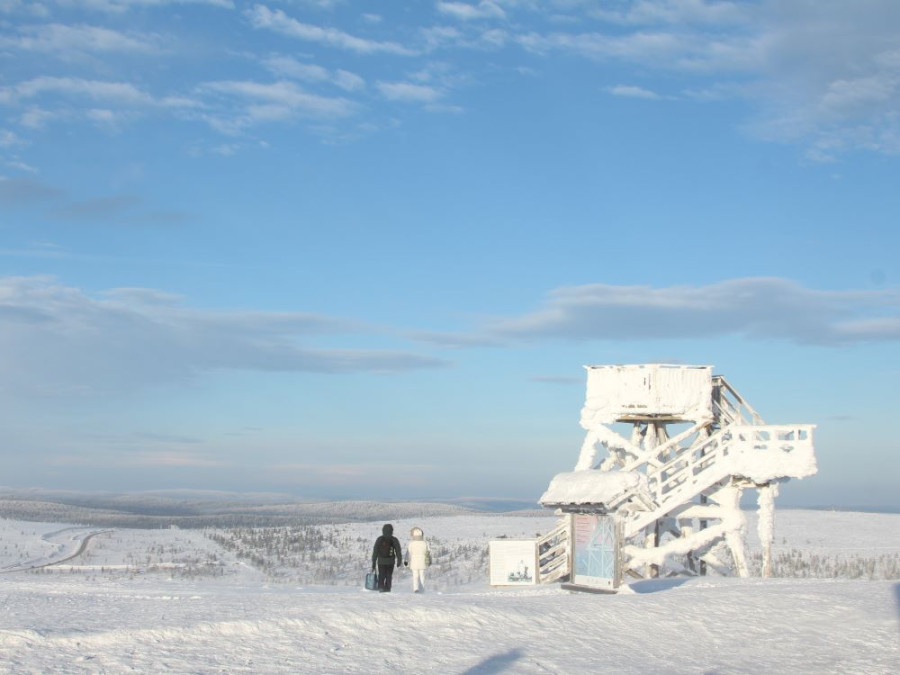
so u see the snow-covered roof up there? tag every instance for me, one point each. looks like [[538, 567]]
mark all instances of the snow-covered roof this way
[[593, 487]]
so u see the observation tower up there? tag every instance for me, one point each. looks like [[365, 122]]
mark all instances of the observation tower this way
[[669, 452]]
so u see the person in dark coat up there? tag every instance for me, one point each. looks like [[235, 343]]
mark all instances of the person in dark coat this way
[[386, 554]]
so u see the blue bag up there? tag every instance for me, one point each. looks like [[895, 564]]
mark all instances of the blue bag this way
[[371, 581]]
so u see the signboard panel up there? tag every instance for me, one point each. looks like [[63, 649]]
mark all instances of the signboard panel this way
[[513, 562], [596, 551]]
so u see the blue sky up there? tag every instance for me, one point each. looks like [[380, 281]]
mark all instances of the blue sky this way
[[363, 249]]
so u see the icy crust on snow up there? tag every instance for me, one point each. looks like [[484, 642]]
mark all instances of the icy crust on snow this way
[[654, 388], [593, 487]]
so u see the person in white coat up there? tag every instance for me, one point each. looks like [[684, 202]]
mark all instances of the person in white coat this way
[[418, 557]]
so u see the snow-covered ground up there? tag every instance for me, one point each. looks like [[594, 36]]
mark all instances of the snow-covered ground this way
[[177, 601]]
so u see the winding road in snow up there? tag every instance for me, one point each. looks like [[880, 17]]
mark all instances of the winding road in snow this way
[[76, 535]]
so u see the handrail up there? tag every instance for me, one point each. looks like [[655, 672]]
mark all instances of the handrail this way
[[725, 387], [553, 562]]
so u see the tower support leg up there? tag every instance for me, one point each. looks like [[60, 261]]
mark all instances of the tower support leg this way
[[729, 498], [765, 526]]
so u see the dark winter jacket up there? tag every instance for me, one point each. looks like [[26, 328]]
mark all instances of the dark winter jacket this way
[[387, 534]]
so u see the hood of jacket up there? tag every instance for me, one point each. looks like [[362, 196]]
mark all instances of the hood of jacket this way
[[387, 530]]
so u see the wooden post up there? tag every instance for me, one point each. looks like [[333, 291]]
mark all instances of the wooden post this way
[[654, 540], [765, 526], [729, 498], [704, 500]]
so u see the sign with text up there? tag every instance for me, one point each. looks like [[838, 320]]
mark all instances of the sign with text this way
[[513, 562], [596, 551]]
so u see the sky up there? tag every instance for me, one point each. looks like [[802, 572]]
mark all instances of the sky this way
[[347, 249]]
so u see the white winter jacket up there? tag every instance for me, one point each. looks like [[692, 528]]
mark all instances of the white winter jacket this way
[[415, 554]]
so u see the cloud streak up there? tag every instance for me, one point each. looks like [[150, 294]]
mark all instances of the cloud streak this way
[[285, 66], [122, 6], [823, 75], [285, 97], [21, 192], [59, 340], [469, 12], [66, 40], [408, 92], [262, 17], [753, 308]]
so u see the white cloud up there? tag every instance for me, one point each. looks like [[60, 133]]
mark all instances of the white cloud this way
[[21, 166], [469, 12], [105, 103], [118, 92], [349, 81], [102, 115], [65, 39], [632, 91], [886, 328], [279, 101], [26, 7], [755, 308], [286, 66], [824, 74], [643, 12], [35, 117], [408, 92], [440, 36], [120, 6], [279, 22], [8, 139], [326, 5], [55, 338], [667, 50]]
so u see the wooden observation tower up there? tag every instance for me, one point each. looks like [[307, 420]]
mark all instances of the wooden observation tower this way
[[657, 488]]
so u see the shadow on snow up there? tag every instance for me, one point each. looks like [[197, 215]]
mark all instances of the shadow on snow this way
[[657, 585], [897, 598], [496, 663]]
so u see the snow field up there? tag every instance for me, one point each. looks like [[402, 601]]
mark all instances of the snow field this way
[[717, 625], [147, 601]]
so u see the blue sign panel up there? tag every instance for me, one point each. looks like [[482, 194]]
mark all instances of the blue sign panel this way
[[596, 551]]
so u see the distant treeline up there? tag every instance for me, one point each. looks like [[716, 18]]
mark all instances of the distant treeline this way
[[155, 513]]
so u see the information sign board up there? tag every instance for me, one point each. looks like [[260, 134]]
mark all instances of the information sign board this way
[[513, 562], [596, 551]]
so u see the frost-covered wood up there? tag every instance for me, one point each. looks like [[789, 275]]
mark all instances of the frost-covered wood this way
[[613, 392], [692, 479]]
